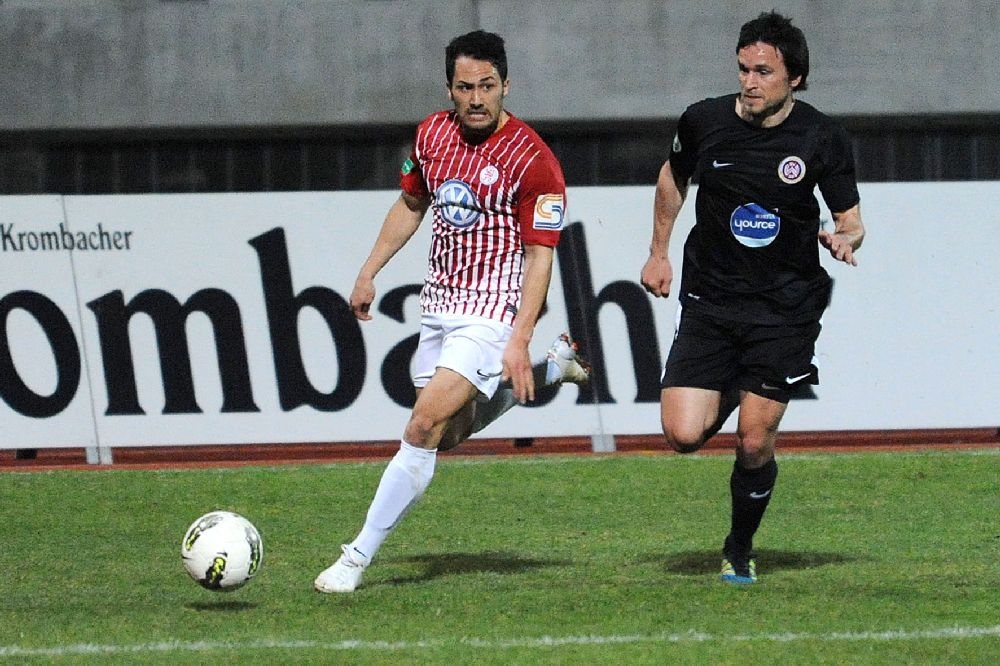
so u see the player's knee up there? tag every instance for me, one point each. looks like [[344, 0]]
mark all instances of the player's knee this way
[[419, 429], [754, 448], [686, 447], [683, 441]]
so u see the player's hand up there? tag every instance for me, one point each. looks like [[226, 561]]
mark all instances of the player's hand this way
[[841, 246], [362, 298], [517, 370], [657, 275]]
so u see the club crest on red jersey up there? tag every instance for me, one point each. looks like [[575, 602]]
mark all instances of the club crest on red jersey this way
[[489, 175]]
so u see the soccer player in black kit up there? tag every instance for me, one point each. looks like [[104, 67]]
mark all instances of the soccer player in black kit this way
[[752, 288]]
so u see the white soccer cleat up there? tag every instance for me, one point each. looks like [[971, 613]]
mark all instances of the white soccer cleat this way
[[572, 368], [343, 576]]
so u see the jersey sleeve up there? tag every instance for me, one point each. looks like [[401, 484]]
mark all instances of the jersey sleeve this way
[[839, 184], [684, 150], [411, 178], [541, 208]]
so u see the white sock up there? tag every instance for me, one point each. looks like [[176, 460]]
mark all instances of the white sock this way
[[503, 399], [403, 483]]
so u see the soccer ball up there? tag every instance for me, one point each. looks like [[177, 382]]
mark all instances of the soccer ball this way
[[222, 551]]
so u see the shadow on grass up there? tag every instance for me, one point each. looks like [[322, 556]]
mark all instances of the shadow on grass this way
[[221, 606], [700, 562], [450, 564]]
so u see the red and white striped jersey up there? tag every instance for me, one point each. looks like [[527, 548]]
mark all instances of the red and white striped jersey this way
[[488, 200]]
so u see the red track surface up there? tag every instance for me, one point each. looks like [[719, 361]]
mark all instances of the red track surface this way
[[154, 457]]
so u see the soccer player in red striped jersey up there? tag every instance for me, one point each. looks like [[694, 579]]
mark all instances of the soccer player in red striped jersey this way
[[498, 200]]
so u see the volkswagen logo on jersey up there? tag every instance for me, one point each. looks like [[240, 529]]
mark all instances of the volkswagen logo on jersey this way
[[754, 226], [457, 204]]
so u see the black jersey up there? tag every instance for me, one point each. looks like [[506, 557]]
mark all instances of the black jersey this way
[[753, 255]]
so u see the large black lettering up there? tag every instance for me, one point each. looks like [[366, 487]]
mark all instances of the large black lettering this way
[[65, 351], [395, 370], [169, 318], [583, 307], [283, 305]]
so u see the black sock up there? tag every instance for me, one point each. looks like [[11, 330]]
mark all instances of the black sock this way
[[751, 492]]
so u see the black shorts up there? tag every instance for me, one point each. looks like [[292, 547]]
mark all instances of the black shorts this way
[[718, 354]]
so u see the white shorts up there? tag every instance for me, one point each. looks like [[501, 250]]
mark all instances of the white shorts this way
[[471, 346]]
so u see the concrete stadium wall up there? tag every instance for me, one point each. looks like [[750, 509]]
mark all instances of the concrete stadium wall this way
[[98, 64]]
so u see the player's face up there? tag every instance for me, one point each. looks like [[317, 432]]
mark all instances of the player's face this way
[[477, 92], [765, 89]]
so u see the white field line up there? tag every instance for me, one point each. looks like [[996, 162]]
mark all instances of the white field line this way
[[167, 647]]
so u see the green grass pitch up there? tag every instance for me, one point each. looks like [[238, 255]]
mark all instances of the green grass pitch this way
[[863, 558]]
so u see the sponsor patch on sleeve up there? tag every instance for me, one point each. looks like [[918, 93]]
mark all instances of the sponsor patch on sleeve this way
[[407, 167], [549, 212]]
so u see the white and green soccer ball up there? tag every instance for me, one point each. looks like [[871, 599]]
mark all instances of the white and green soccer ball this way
[[222, 551]]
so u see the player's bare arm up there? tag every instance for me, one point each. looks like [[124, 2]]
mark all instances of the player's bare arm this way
[[400, 224], [534, 288], [657, 273], [846, 237]]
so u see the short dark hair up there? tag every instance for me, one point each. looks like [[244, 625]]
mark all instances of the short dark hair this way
[[774, 29], [479, 45]]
